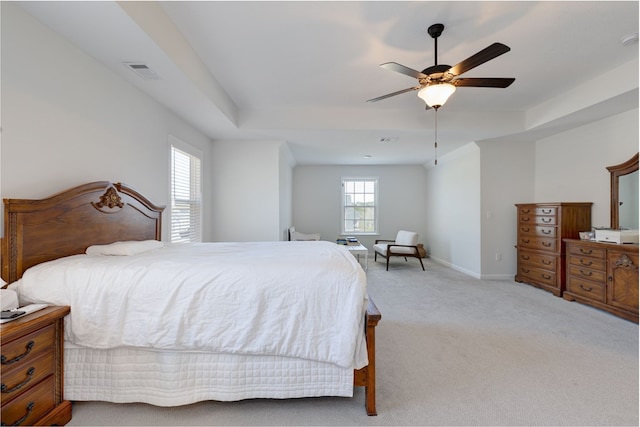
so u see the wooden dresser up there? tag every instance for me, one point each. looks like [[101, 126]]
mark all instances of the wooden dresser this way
[[541, 228], [603, 275], [31, 369]]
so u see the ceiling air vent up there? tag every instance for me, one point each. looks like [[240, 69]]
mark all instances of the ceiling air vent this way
[[142, 70], [388, 140]]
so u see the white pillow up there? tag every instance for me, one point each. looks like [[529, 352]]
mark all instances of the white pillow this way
[[124, 248], [302, 236]]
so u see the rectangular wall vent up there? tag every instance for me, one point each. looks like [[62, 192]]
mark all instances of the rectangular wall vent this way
[[142, 70]]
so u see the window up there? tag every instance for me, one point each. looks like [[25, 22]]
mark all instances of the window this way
[[359, 205], [186, 194]]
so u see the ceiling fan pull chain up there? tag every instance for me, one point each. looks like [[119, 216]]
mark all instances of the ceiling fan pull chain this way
[[435, 138]]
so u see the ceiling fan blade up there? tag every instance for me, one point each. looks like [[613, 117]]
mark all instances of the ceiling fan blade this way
[[389, 95], [399, 68], [484, 82], [480, 58]]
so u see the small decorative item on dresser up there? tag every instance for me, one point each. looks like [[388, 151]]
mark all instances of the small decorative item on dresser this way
[[32, 369]]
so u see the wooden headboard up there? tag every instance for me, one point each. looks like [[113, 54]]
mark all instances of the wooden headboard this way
[[66, 223]]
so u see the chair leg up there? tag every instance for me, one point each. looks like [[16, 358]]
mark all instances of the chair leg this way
[[388, 262], [420, 259]]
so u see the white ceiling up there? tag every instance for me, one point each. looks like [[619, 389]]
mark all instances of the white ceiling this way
[[301, 71]]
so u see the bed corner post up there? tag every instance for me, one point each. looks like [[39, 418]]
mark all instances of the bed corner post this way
[[372, 317]]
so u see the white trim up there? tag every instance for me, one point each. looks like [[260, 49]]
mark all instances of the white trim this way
[[377, 204]]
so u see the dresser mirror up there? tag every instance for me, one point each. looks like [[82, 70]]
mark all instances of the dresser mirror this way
[[624, 194]]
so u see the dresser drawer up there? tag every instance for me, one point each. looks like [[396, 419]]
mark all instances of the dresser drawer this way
[[577, 249], [537, 275], [586, 288], [540, 243], [537, 230], [536, 219], [24, 350], [587, 273], [588, 262], [27, 408], [24, 376], [537, 210], [547, 262]]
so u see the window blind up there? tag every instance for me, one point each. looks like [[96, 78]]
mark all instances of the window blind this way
[[186, 197]]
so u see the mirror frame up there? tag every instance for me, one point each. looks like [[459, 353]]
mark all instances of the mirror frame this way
[[617, 171]]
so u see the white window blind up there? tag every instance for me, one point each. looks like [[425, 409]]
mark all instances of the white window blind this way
[[186, 197], [359, 205]]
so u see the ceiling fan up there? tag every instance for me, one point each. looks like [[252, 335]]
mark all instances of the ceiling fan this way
[[438, 82]]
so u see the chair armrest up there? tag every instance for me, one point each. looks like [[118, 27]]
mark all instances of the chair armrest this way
[[389, 247], [383, 240]]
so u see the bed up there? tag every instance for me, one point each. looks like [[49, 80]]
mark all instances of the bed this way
[[166, 369]]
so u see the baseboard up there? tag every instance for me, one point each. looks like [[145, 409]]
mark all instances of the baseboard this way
[[509, 276]]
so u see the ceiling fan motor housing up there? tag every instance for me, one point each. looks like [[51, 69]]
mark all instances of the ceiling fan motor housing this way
[[435, 30]]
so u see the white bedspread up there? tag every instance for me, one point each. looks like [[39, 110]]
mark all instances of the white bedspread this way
[[296, 299]]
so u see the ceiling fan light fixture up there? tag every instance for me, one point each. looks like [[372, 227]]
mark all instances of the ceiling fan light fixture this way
[[435, 95]]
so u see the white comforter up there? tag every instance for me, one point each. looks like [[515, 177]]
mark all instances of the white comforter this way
[[297, 299]]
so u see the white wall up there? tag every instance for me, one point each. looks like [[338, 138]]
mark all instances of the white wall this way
[[67, 120], [507, 178], [401, 194], [567, 167], [571, 166], [285, 192], [453, 210], [246, 182]]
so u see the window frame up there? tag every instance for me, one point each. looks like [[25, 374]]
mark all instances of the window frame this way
[[177, 144], [343, 205]]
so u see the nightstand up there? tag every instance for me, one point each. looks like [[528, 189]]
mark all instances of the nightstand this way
[[31, 369]]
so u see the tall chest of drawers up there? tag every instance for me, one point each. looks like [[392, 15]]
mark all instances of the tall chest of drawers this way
[[541, 250], [31, 369], [603, 275]]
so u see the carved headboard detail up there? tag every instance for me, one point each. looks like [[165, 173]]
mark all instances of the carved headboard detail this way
[[66, 223]]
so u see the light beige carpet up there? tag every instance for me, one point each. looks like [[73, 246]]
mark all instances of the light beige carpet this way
[[454, 350]]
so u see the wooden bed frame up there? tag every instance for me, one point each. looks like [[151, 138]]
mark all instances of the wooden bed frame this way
[[99, 213]]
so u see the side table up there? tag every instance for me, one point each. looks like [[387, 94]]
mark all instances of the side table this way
[[360, 249]]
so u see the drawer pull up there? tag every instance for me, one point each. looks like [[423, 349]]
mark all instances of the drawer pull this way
[[29, 347], [29, 409], [546, 244], [586, 251], [545, 231], [545, 262], [525, 270], [547, 220], [586, 273], [545, 276], [4, 388], [525, 229], [546, 211], [525, 210], [587, 264], [525, 257], [526, 219], [525, 240], [585, 289]]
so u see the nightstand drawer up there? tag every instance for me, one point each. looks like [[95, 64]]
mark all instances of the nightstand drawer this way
[[26, 348], [22, 377], [28, 408]]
